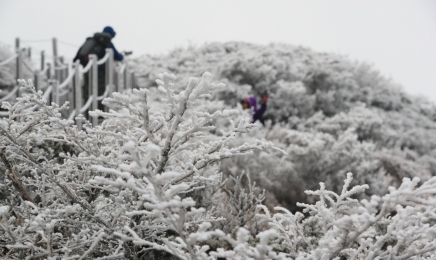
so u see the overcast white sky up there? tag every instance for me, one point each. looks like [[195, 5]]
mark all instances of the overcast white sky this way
[[397, 36]]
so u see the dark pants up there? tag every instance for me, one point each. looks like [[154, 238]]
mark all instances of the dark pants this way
[[258, 114]]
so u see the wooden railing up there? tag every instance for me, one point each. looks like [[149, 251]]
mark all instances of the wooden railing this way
[[65, 83]]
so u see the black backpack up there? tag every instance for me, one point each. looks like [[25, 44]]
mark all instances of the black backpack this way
[[93, 45]]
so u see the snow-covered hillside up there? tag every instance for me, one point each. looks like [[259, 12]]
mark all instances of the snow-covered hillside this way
[[331, 115]]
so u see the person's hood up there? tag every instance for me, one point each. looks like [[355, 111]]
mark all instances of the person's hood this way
[[109, 30]]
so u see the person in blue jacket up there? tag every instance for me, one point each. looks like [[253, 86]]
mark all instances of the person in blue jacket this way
[[117, 56], [97, 44], [251, 103]]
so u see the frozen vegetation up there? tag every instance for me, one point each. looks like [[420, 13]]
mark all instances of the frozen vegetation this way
[[343, 169]]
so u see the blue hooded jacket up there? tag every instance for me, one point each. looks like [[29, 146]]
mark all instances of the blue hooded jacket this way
[[117, 56]]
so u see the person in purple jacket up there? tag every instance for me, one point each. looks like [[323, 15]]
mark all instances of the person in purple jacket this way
[[251, 103]]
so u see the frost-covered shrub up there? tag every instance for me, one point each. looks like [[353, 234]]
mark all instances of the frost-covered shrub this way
[[146, 184], [399, 225], [121, 183], [291, 100], [108, 192]]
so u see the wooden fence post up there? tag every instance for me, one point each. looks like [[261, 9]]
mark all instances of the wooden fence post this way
[[19, 65], [55, 92], [125, 77], [109, 74], [116, 86], [37, 80], [48, 71], [133, 80], [77, 93], [55, 51], [70, 94], [60, 71], [120, 79], [42, 60], [19, 69], [94, 86]]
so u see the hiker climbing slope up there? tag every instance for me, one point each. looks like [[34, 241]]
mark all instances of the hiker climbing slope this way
[[251, 103]]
